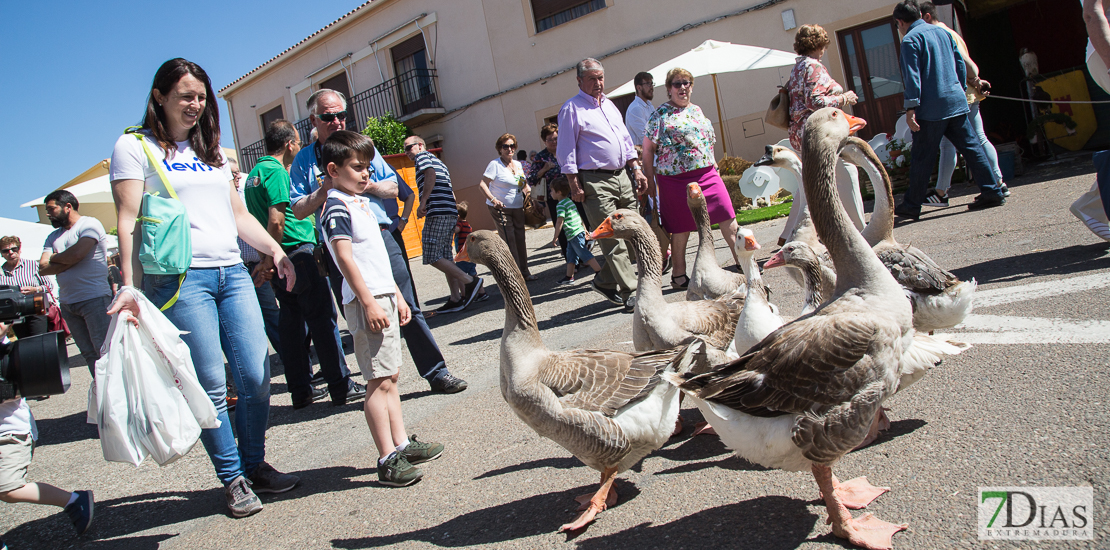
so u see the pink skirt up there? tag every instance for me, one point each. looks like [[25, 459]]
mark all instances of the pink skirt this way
[[672, 199]]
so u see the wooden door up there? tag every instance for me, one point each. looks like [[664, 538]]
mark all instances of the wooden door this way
[[871, 54]]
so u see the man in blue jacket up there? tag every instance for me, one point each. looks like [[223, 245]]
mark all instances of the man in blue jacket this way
[[934, 77]]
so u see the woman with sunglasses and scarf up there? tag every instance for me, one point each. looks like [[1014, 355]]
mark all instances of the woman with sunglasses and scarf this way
[[680, 140], [505, 185], [23, 274]]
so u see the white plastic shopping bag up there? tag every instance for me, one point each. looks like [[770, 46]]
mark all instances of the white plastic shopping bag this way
[[154, 387], [109, 404]]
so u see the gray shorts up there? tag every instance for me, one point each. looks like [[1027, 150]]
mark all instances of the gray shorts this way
[[378, 353], [15, 457]]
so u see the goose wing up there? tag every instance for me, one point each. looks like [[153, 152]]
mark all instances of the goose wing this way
[[712, 320], [604, 381], [915, 270]]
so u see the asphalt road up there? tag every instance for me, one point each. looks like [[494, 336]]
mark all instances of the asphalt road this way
[[1025, 406]]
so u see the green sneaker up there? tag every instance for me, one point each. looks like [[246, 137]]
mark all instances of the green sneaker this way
[[417, 452], [397, 472]]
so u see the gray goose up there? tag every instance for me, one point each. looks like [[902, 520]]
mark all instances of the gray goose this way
[[807, 394], [608, 408], [708, 280], [657, 323]]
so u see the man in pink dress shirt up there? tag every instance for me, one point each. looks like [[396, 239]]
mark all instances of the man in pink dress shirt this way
[[593, 152]]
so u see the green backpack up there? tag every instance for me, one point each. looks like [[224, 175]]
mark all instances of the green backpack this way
[[165, 247]]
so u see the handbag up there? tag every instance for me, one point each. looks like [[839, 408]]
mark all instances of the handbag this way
[[165, 245], [778, 113], [535, 213], [54, 320]]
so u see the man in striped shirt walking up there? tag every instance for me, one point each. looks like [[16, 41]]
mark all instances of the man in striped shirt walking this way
[[437, 205]]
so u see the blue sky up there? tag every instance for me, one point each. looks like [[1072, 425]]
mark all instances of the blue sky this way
[[74, 74]]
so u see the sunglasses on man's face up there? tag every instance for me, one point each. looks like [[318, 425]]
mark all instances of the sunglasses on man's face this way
[[329, 117], [410, 146], [508, 146], [9, 250]]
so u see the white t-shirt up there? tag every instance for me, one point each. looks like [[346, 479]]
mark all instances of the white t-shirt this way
[[88, 278], [204, 190], [350, 218], [504, 184], [16, 418]]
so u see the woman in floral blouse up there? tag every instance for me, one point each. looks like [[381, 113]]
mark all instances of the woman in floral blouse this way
[[544, 170], [811, 88], [680, 139]]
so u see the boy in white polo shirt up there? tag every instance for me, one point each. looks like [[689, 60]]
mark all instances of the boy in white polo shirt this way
[[374, 306]]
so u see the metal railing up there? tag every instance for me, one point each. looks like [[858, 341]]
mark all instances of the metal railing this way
[[409, 92]]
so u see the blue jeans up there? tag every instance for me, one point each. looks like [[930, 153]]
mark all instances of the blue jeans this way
[[577, 252], [309, 304], [270, 313], [88, 323], [218, 308], [948, 152], [923, 157]]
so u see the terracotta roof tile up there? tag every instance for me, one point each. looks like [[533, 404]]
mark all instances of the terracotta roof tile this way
[[294, 46]]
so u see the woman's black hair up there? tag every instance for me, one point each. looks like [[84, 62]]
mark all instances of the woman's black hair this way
[[205, 135]]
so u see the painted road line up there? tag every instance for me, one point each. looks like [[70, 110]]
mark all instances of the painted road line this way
[[1002, 329], [1032, 291]]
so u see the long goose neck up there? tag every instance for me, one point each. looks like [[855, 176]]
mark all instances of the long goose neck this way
[[856, 265], [705, 231], [521, 329], [881, 225], [811, 275], [748, 265], [649, 287]]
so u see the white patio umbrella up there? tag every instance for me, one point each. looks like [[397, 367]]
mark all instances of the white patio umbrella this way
[[713, 57]]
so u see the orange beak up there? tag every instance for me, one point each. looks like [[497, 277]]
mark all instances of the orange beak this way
[[603, 231], [750, 243], [693, 190], [855, 123], [775, 261], [462, 256]]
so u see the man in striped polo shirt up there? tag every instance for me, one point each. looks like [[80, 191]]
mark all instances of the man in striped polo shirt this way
[[437, 205]]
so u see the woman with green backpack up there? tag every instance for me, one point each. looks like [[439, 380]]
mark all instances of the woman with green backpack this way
[[178, 218]]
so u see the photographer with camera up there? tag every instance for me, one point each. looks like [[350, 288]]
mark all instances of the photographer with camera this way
[[17, 441], [24, 275]]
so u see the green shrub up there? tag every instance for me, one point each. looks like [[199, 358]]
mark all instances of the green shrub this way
[[388, 134]]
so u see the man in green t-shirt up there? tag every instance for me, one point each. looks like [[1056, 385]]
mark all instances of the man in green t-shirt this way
[[309, 303]]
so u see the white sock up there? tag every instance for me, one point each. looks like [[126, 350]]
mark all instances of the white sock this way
[[401, 447], [386, 457], [72, 498]]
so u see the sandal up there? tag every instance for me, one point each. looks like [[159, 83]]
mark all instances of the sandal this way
[[685, 282]]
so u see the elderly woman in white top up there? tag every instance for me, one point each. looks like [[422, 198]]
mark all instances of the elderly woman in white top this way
[[505, 186], [216, 307]]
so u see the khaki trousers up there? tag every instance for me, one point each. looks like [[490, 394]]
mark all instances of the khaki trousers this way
[[605, 193]]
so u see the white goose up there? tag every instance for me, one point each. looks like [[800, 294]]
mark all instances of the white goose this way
[[760, 317], [657, 323], [608, 408], [807, 394]]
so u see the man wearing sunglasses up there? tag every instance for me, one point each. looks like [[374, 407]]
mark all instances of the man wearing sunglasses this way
[[594, 150], [308, 192]]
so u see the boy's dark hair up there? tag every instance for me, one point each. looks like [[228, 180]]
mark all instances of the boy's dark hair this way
[[279, 133], [929, 8], [343, 145], [561, 185], [61, 197], [462, 207], [907, 11], [522, 155]]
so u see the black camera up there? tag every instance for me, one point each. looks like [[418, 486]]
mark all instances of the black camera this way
[[35, 366]]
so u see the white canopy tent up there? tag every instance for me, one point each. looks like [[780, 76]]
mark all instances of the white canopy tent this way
[[95, 196], [713, 57], [30, 234]]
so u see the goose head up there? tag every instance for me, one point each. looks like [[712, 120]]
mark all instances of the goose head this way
[[745, 236], [832, 126], [780, 157], [793, 253], [481, 247], [621, 224], [694, 196]]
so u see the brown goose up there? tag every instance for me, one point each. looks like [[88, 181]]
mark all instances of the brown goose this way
[[807, 394], [708, 280], [657, 323], [608, 408]]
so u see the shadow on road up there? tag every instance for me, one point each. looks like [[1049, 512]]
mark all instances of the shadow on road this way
[[67, 429], [764, 523], [562, 463], [1063, 261]]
